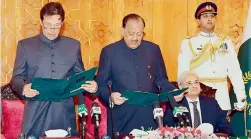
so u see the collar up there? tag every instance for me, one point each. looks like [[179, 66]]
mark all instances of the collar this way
[[189, 100], [130, 49], [204, 34], [45, 39]]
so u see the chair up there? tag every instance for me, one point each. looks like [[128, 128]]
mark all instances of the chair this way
[[13, 108], [221, 135], [206, 90]]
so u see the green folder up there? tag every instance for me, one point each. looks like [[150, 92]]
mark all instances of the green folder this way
[[239, 137], [164, 95], [146, 98], [59, 89]]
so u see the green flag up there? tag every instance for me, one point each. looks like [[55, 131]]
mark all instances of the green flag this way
[[241, 121]]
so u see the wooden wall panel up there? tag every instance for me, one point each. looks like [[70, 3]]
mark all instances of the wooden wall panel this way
[[97, 23]]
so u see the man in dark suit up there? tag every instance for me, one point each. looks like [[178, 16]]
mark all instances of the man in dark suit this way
[[202, 109], [131, 64], [48, 55]]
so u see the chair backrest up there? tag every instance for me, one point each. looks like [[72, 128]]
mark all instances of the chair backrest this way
[[206, 90], [12, 116], [12, 103], [8, 94], [221, 135]]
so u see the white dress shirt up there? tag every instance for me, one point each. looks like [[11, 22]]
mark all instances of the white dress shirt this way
[[191, 109]]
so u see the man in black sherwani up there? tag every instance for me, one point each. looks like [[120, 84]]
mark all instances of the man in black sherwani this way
[[48, 55], [131, 64]]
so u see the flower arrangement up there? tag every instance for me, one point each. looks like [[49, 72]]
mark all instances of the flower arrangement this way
[[173, 133]]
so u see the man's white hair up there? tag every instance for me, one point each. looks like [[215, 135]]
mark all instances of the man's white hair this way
[[183, 75]]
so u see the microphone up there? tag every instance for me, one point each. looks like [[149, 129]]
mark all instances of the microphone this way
[[177, 111], [158, 114], [95, 114], [185, 114], [105, 137], [82, 112]]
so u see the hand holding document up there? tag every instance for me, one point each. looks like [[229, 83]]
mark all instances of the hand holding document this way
[[146, 98], [59, 89]]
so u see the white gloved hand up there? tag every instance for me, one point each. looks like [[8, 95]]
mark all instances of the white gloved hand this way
[[240, 106]]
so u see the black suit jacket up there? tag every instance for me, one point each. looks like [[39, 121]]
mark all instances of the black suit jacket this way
[[210, 113]]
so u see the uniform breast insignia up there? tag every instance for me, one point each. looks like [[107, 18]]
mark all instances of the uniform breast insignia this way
[[223, 49], [200, 48]]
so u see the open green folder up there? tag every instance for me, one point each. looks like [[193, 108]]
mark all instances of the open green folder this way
[[59, 89], [146, 98], [239, 137]]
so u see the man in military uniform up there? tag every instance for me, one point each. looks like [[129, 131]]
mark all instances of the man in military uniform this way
[[131, 64], [212, 57], [48, 55]]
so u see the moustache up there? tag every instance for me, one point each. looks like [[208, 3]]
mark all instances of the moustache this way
[[134, 41]]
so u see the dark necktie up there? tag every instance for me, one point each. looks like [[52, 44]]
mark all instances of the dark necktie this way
[[196, 113]]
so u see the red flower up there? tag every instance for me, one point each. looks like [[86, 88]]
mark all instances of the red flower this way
[[180, 130], [162, 131], [170, 129], [198, 132], [186, 130], [193, 131]]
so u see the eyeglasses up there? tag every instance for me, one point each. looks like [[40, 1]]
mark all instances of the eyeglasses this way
[[52, 27]]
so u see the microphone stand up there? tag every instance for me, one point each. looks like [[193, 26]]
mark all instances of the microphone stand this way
[[186, 119], [83, 127], [110, 107], [159, 92], [174, 104], [96, 131], [83, 120], [95, 115]]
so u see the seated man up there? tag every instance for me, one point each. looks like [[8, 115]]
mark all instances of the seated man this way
[[201, 109]]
